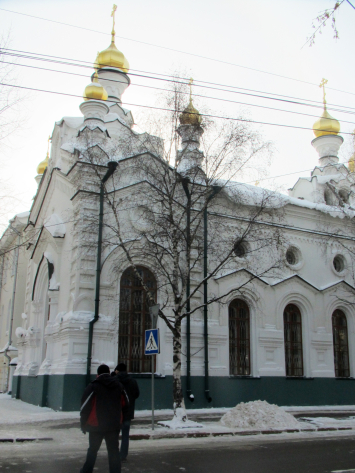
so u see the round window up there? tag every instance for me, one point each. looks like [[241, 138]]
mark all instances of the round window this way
[[239, 249], [339, 263], [292, 256]]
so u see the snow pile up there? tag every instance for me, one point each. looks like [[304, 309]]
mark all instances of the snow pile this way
[[258, 415]]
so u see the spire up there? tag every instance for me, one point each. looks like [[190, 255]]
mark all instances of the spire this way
[[190, 116], [113, 33], [326, 124]]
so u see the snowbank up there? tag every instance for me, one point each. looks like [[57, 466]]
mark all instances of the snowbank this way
[[258, 415]]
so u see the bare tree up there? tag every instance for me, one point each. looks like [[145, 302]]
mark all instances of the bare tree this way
[[323, 19], [10, 121], [173, 206]]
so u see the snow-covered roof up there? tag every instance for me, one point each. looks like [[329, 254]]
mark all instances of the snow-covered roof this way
[[72, 122], [246, 194]]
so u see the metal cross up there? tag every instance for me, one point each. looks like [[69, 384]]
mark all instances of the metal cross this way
[[322, 84], [114, 8]]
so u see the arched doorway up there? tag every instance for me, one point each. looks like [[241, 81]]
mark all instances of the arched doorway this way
[[340, 344], [293, 341], [134, 319], [239, 338]]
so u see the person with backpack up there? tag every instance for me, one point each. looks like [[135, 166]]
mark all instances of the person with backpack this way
[[101, 416], [132, 390]]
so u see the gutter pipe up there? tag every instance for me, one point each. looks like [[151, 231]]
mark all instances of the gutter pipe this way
[[112, 165], [12, 306], [215, 190], [190, 396]]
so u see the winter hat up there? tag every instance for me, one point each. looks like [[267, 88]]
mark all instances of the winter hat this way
[[103, 369]]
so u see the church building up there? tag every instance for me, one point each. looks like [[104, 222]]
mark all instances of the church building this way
[[286, 336]]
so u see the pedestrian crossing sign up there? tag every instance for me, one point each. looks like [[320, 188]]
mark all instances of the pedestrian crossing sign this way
[[152, 345]]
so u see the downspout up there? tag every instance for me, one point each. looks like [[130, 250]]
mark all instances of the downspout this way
[[12, 307], [190, 396], [215, 190], [112, 165]]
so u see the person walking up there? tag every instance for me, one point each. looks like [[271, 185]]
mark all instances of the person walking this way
[[132, 390], [100, 415]]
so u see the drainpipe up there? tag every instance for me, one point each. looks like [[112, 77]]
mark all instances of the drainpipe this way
[[215, 190], [112, 165], [190, 396], [12, 305]]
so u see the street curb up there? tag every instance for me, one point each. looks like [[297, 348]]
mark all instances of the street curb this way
[[243, 433], [27, 439]]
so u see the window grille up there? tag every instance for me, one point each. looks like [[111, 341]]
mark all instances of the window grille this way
[[340, 344], [134, 319], [239, 338], [293, 341]]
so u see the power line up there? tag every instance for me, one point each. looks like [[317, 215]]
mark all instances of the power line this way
[[295, 100], [175, 50], [182, 92], [169, 110]]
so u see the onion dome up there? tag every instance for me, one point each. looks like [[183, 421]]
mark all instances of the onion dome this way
[[190, 116], [43, 165], [326, 125], [95, 90], [111, 57]]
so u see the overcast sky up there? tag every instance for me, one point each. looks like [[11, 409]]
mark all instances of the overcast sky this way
[[252, 36]]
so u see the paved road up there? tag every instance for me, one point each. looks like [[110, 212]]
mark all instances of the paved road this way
[[208, 456]]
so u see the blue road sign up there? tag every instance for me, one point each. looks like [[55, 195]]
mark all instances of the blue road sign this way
[[152, 346]]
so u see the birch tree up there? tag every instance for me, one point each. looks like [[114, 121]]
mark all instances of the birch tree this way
[[174, 190]]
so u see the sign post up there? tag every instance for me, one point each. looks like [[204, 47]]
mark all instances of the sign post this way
[[152, 346]]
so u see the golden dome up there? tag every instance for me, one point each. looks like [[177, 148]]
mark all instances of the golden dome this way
[[326, 125], [111, 57], [190, 116], [351, 163], [43, 165], [95, 90]]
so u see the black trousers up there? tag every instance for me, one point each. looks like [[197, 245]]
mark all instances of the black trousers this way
[[95, 440]]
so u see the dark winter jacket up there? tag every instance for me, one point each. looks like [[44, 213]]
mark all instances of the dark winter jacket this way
[[101, 405], [131, 387]]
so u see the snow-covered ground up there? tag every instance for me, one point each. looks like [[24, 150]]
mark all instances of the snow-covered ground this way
[[15, 412]]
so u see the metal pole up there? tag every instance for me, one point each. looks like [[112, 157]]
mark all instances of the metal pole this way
[[152, 391], [188, 283], [112, 165]]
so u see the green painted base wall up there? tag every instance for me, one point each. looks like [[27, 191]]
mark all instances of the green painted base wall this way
[[63, 392]]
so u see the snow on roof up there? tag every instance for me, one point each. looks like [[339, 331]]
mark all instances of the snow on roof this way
[[247, 194], [72, 122]]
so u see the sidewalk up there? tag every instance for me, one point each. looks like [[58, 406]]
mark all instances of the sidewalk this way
[[15, 414]]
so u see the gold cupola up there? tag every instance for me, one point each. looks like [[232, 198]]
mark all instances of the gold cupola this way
[[43, 164], [326, 124], [95, 90], [190, 116], [112, 57]]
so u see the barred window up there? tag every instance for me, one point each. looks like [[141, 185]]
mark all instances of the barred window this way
[[340, 344], [293, 341], [239, 338], [134, 319]]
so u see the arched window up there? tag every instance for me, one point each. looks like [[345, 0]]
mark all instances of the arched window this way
[[340, 344], [134, 319], [293, 341], [239, 338]]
